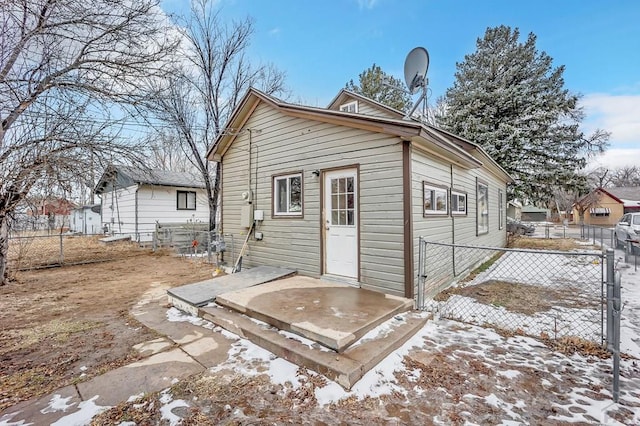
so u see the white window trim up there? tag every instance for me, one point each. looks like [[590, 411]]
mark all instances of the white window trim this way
[[429, 187], [345, 107], [458, 212], [275, 195], [187, 194]]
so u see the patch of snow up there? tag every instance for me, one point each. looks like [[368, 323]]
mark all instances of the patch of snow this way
[[5, 420], [58, 403], [509, 374], [133, 398], [86, 411], [168, 405]]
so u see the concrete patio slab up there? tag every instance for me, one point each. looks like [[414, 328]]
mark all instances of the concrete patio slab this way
[[332, 314], [152, 374], [45, 410], [201, 293]]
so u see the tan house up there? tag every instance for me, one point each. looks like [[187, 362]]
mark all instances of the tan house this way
[[344, 192], [599, 207]]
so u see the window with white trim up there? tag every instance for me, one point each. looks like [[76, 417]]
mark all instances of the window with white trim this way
[[435, 199], [287, 195], [349, 107], [482, 208], [458, 203], [186, 200]]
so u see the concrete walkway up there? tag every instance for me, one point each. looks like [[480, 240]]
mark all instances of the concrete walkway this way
[[185, 351]]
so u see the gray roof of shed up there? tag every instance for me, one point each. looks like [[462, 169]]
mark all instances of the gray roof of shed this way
[[124, 176]]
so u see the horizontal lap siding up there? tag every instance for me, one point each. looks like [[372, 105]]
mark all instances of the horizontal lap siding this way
[[456, 229], [364, 108], [288, 144], [159, 203], [118, 209]]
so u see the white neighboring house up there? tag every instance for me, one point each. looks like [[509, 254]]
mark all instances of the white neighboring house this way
[[86, 219], [134, 200]]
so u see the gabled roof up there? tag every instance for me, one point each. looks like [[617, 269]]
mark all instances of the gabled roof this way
[[631, 193], [124, 176], [344, 95], [436, 141], [602, 190]]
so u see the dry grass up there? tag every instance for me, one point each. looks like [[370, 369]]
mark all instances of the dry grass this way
[[59, 330], [40, 252], [522, 298], [570, 345], [559, 244]]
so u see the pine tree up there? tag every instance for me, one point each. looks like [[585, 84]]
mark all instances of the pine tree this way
[[508, 98], [377, 85]]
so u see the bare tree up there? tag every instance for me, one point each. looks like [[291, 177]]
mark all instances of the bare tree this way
[[585, 203], [626, 176], [599, 178], [62, 63], [204, 90]]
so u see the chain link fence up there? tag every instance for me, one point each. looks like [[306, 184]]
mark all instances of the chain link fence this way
[[533, 292], [596, 235], [43, 251]]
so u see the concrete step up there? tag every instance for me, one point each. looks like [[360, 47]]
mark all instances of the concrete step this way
[[334, 315], [345, 368]]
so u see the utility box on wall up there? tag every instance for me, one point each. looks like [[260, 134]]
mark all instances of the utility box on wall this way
[[246, 216]]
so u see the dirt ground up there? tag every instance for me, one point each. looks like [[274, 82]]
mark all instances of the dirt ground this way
[[56, 323]]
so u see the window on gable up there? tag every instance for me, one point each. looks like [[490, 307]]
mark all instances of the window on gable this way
[[349, 107], [482, 208], [458, 203], [186, 200], [435, 199], [287, 195]]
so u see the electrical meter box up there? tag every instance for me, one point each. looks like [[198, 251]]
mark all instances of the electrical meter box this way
[[246, 216]]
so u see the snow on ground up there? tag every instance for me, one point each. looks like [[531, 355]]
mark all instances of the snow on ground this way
[[630, 317]]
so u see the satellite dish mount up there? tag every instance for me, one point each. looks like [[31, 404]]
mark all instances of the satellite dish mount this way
[[415, 76]]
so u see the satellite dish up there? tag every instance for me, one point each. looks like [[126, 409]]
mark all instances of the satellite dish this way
[[415, 69]]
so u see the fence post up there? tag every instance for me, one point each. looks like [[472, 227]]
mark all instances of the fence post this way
[[610, 254], [601, 237], [617, 306], [61, 251], [421, 263]]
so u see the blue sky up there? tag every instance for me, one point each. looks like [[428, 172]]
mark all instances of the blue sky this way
[[321, 45]]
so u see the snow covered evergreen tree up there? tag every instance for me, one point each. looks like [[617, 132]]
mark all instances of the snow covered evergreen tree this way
[[381, 87], [508, 98]]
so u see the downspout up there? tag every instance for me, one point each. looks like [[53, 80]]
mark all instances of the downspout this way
[[136, 214], [249, 161], [453, 223]]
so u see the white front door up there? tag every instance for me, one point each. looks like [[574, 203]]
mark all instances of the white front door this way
[[341, 223]]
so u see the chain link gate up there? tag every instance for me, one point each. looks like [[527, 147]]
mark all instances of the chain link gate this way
[[544, 294]]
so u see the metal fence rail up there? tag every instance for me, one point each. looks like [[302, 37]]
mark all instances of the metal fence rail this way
[[533, 292], [42, 251]]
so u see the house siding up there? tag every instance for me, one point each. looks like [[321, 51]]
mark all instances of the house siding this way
[[281, 144], [449, 228], [605, 201], [366, 109], [159, 204], [154, 203]]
